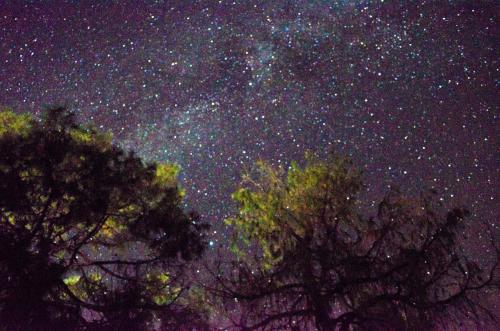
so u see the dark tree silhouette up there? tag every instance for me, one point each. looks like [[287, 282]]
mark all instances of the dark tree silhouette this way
[[91, 237], [323, 266]]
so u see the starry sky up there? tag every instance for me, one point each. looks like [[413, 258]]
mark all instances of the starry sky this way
[[409, 90]]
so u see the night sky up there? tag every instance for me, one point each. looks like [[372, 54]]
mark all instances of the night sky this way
[[409, 91]]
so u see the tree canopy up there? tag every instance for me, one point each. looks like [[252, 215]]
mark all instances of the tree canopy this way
[[94, 238], [322, 265], [90, 235]]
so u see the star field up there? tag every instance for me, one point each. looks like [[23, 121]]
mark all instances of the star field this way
[[407, 90]]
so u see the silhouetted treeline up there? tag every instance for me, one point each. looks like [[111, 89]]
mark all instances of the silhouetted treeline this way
[[94, 238], [323, 265], [91, 237]]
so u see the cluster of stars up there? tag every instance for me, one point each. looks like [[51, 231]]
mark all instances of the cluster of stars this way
[[407, 90]]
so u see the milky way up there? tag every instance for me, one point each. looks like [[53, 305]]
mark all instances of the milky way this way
[[409, 91]]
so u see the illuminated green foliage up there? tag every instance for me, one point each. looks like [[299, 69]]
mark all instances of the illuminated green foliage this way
[[166, 174], [160, 288], [82, 136], [90, 136], [11, 123], [277, 207], [95, 276], [112, 227], [9, 217], [72, 280]]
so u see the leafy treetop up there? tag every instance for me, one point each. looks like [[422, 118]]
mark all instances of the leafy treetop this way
[[87, 231]]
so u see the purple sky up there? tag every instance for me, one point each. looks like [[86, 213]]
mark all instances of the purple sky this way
[[409, 91]]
